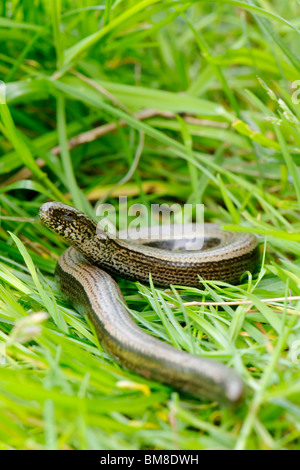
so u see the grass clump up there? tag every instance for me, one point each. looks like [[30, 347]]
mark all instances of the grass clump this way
[[161, 102]]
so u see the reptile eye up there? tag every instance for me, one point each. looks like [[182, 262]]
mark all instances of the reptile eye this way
[[68, 216]]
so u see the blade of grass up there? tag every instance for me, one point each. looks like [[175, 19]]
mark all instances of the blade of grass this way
[[8, 128], [47, 301], [69, 175], [294, 171], [56, 21]]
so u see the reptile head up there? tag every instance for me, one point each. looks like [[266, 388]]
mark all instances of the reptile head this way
[[67, 222]]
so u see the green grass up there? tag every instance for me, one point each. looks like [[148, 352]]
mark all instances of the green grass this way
[[224, 132]]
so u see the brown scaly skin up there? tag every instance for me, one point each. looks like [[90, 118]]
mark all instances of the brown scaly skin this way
[[91, 290], [235, 253]]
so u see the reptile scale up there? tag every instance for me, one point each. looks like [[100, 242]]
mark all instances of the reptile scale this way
[[84, 272]]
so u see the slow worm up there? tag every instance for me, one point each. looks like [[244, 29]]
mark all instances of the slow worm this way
[[84, 272]]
